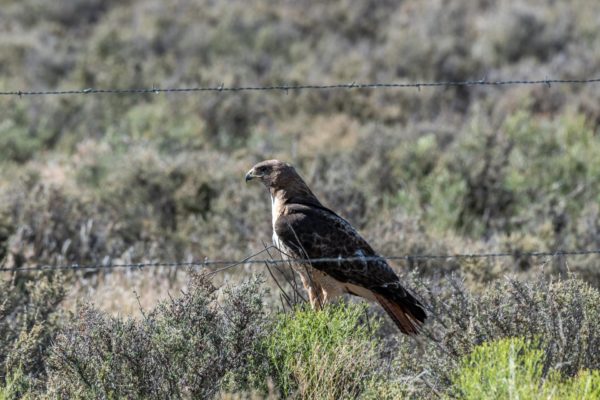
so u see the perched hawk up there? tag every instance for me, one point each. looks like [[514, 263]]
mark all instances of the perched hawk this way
[[305, 229]]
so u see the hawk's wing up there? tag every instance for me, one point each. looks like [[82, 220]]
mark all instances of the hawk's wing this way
[[317, 232], [309, 231]]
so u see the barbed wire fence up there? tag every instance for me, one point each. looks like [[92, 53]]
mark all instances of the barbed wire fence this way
[[285, 88], [226, 264]]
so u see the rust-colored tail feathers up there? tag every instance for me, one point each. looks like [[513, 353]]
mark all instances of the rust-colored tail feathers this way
[[404, 309]]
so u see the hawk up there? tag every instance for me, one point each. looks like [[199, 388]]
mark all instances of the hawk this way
[[304, 229]]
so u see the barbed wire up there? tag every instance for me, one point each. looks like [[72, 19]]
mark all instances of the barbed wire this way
[[297, 87], [249, 260]]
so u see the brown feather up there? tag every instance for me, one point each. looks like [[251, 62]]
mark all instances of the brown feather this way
[[400, 315]]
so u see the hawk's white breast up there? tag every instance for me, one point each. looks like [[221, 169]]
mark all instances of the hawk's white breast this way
[[275, 207]]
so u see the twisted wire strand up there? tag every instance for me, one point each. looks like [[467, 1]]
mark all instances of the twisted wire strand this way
[[298, 87]]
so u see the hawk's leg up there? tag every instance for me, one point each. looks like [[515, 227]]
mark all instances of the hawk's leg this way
[[314, 290], [315, 296], [318, 301]]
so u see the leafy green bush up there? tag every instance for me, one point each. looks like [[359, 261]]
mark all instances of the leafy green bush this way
[[329, 354], [16, 386], [191, 346], [514, 369], [16, 143]]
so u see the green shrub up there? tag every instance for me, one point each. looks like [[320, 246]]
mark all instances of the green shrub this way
[[328, 354], [514, 369], [16, 144], [509, 368], [16, 386]]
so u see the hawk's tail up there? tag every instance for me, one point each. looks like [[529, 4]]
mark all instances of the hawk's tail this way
[[404, 309]]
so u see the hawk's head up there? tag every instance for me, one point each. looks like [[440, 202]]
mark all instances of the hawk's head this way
[[273, 174]]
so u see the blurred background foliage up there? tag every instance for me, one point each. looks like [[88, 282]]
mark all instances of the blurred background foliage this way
[[140, 178]]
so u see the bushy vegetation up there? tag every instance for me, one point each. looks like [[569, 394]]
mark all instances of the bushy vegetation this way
[[326, 355], [561, 315], [514, 369], [211, 341], [187, 347], [29, 320], [101, 179]]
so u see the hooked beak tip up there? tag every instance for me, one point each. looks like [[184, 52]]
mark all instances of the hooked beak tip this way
[[249, 176]]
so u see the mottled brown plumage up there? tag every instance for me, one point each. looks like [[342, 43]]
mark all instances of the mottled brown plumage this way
[[305, 229]]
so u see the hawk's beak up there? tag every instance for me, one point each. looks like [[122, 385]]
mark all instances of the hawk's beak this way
[[250, 175]]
